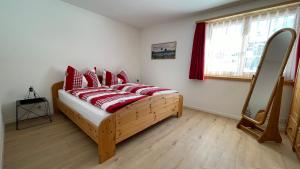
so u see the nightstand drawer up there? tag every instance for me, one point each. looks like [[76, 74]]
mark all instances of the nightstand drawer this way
[[294, 115], [291, 129], [297, 144], [295, 109]]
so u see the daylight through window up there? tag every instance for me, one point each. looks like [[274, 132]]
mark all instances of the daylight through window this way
[[234, 47]]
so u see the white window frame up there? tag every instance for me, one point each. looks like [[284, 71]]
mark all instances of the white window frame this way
[[240, 74]]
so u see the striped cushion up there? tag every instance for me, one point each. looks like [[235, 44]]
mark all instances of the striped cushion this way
[[123, 76]]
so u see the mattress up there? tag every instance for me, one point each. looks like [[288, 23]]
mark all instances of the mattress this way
[[165, 92], [87, 110]]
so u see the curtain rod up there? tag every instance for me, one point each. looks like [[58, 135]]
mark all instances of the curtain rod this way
[[250, 11]]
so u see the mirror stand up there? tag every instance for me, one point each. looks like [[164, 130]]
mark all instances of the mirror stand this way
[[271, 132]]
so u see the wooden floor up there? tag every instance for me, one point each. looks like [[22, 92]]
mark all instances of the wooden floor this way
[[196, 140]]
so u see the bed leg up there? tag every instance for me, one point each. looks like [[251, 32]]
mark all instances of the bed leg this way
[[106, 138], [180, 106]]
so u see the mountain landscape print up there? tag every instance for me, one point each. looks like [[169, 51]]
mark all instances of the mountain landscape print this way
[[163, 50]]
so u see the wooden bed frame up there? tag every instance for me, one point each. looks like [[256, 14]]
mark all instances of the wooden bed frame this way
[[125, 122]]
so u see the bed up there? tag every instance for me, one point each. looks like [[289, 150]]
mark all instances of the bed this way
[[109, 129]]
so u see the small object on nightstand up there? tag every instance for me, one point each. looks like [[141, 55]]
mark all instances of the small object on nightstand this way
[[31, 91], [137, 80], [29, 109]]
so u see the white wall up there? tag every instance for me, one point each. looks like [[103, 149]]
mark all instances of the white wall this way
[[215, 96], [39, 38]]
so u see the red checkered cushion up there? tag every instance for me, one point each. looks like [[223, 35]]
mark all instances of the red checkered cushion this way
[[110, 79], [123, 76], [92, 78], [74, 79]]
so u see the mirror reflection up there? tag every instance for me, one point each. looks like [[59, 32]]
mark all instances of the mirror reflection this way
[[270, 69]]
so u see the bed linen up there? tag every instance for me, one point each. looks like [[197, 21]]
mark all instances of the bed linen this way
[[142, 89], [107, 99], [88, 111]]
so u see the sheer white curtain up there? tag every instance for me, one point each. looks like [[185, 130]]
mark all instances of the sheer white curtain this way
[[234, 47]]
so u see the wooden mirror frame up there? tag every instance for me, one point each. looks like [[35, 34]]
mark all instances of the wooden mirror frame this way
[[254, 78], [248, 124]]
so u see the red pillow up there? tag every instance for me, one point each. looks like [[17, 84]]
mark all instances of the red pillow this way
[[74, 79], [110, 79], [123, 76], [92, 78]]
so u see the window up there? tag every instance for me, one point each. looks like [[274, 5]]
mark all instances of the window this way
[[234, 47]]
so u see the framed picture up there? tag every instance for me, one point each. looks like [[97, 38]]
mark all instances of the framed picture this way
[[163, 50]]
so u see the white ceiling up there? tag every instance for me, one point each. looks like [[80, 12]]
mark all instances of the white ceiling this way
[[143, 13]]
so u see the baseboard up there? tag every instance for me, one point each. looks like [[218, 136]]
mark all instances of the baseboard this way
[[9, 121], [282, 122], [231, 116]]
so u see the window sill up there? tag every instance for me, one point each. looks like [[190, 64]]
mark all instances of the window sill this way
[[242, 79]]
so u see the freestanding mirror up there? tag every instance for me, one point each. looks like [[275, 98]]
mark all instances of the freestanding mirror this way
[[264, 98]]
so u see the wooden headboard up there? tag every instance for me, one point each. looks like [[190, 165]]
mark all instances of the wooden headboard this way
[[55, 88]]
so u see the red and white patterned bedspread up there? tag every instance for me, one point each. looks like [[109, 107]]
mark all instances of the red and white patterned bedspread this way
[[142, 89], [105, 98]]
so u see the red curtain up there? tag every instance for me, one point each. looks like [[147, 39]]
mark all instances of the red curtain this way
[[197, 61], [297, 55]]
